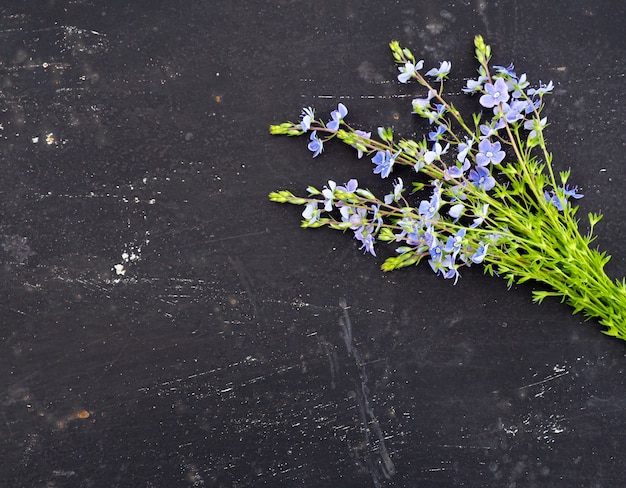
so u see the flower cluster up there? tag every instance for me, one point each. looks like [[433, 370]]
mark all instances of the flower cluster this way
[[489, 194]]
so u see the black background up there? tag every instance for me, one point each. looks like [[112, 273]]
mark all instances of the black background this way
[[136, 134]]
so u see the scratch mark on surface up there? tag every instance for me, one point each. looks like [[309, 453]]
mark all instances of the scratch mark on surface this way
[[551, 377], [373, 436]]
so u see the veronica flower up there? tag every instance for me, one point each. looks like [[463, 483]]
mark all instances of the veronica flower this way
[[456, 211], [337, 116], [481, 215], [384, 162], [364, 135], [397, 192], [357, 217], [437, 134], [408, 71], [419, 104], [479, 256], [508, 70], [316, 146], [441, 72], [495, 93], [464, 148], [308, 115], [489, 153], [311, 212], [542, 89], [349, 187], [329, 193], [435, 153], [482, 179], [473, 86]]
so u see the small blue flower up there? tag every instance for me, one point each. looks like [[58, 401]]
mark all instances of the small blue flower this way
[[436, 250], [481, 215], [316, 146], [365, 236], [308, 115], [337, 116], [435, 153], [437, 134], [384, 162], [409, 70], [349, 187], [464, 148], [491, 128], [554, 199], [456, 211], [495, 93], [429, 208], [489, 153], [420, 104], [357, 217], [329, 194], [398, 187], [473, 86], [364, 135], [453, 244], [311, 212], [507, 70], [541, 90], [441, 72], [456, 172], [482, 179], [479, 256]]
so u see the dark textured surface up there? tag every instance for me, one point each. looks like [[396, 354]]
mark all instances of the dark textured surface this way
[[238, 350]]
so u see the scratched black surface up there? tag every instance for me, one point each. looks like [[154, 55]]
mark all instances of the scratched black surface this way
[[163, 325]]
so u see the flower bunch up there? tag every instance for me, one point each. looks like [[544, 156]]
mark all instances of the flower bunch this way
[[485, 192]]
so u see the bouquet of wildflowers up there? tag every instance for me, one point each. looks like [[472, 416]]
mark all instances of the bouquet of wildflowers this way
[[485, 193]]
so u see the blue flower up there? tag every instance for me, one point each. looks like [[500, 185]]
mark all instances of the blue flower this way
[[397, 192], [482, 179], [464, 148], [489, 153], [366, 237], [337, 116], [429, 208], [311, 213], [495, 93], [456, 172], [357, 217], [316, 146], [554, 199], [349, 187], [512, 112], [541, 90], [453, 244], [437, 134], [408, 71], [364, 135], [491, 128], [384, 162], [456, 211], [507, 70], [436, 250], [479, 256], [329, 194], [435, 153], [475, 85], [441, 72], [481, 215], [420, 104], [308, 115]]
